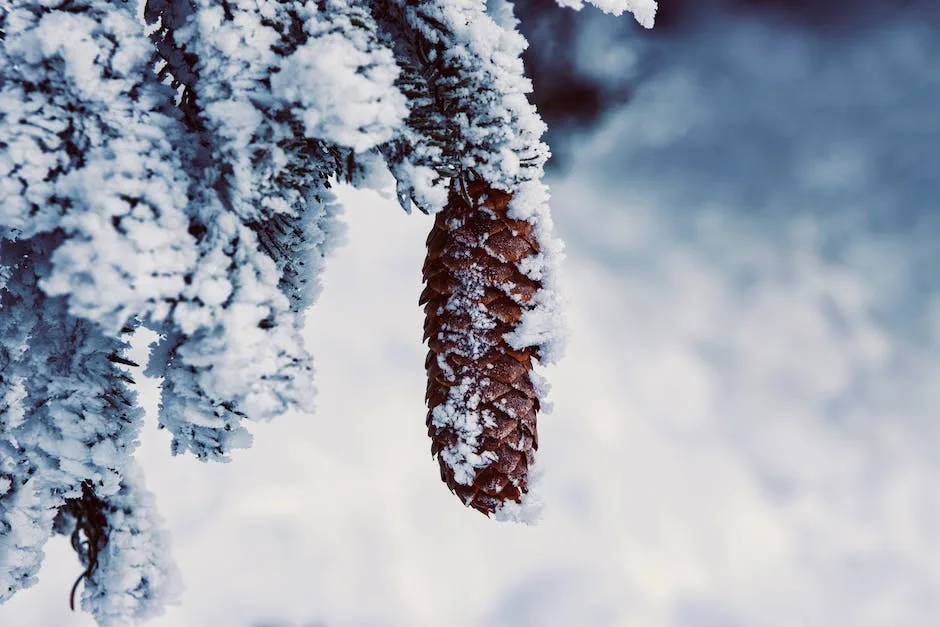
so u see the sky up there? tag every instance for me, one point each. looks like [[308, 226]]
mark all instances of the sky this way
[[745, 428]]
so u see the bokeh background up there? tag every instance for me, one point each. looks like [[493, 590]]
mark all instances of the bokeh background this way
[[746, 428]]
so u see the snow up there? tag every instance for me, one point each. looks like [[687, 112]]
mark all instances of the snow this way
[[478, 104], [12, 408], [461, 412], [72, 419], [655, 512], [135, 577], [472, 116], [643, 10], [341, 82], [530, 510], [265, 214], [743, 433], [112, 219], [85, 111]]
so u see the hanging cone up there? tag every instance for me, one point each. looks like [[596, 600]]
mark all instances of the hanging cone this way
[[482, 403]]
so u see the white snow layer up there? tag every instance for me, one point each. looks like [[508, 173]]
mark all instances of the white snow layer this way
[[495, 131], [643, 10], [341, 82], [135, 577], [83, 157], [77, 421], [235, 352], [116, 212], [745, 431]]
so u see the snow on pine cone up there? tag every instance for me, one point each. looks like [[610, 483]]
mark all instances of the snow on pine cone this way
[[480, 393]]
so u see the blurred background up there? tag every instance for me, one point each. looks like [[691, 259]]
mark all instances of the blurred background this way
[[745, 428]]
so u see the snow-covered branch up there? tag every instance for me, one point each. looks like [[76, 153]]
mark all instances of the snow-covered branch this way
[[179, 176]]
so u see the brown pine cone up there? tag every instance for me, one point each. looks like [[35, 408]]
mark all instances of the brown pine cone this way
[[481, 399]]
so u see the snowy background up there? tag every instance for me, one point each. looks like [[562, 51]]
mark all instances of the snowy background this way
[[745, 429]]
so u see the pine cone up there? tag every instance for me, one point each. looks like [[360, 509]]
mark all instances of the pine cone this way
[[482, 403]]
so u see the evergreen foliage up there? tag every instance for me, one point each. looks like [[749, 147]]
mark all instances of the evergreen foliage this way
[[178, 176]]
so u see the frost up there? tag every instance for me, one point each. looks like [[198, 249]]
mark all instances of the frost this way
[[460, 413], [12, 410], [26, 525], [78, 155], [470, 118], [178, 178], [643, 10], [421, 184], [131, 576], [464, 77], [264, 215], [502, 13], [74, 419], [242, 358], [340, 84], [470, 121], [529, 511]]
